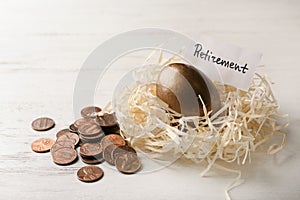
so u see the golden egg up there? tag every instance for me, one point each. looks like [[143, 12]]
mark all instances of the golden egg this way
[[179, 85]]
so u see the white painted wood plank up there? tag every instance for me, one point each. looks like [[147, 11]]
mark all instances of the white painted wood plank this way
[[42, 47]]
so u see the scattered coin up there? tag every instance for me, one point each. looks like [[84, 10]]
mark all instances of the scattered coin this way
[[128, 163], [42, 124], [112, 139], [89, 173], [42, 145], [90, 111], [64, 156], [98, 139], [107, 154]]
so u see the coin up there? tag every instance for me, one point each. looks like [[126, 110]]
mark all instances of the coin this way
[[61, 144], [90, 111], [128, 163], [90, 130], [65, 137], [42, 124], [83, 121], [89, 173], [92, 139], [72, 128], [107, 154], [122, 150], [64, 156], [90, 149], [42, 145], [92, 161], [111, 129], [62, 132], [69, 136], [112, 139], [107, 120]]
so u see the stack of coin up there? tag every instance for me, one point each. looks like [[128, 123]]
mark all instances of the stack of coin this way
[[90, 133], [91, 153], [79, 122], [63, 150], [108, 123]]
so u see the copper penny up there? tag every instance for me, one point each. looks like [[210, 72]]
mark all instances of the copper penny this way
[[83, 121], [69, 136], [112, 139], [107, 120], [108, 154], [62, 132], [61, 144], [72, 128], [90, 130], [93, 139], [128, 163], [90, 111], [90, 149], [65, 137], [92, 161], [64, 156], [42, 145], [120, 150], [42, 124], [89, 173]]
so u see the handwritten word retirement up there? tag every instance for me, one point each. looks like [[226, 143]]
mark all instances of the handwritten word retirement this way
[[210, 57]]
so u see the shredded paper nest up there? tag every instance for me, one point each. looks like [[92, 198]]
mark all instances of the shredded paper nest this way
[[245, 121]]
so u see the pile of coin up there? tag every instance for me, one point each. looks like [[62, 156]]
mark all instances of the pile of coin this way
[[99, 139], [63, 150], [123, 157]]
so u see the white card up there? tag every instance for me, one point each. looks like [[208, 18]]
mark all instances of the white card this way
[[223, 62]]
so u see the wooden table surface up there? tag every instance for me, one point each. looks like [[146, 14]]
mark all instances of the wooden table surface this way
[[42, 47]]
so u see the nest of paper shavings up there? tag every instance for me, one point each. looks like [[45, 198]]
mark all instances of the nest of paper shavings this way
[[245, 121]]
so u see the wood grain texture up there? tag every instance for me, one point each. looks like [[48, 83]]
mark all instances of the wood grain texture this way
[[42, 47]]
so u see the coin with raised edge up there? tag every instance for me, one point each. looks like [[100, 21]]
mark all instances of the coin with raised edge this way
[[90, 130], [113, 139], [128, 163], [108, 154], [42, 124], [90, 173], [83, 121], [90, 111], [64, 156], [91, 149], [42, 145], [120, 150]]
